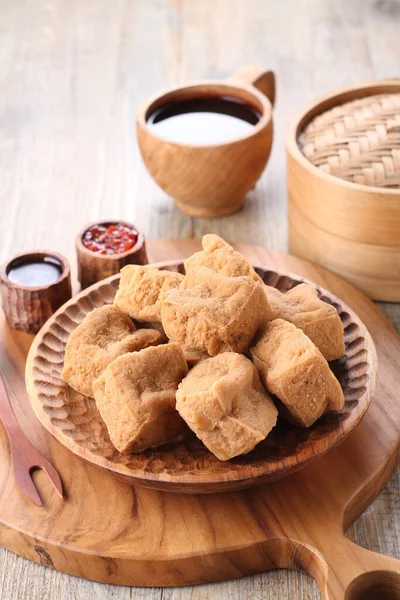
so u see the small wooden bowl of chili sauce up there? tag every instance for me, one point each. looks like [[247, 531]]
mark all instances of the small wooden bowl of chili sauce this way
[[104, 247], [33, 286]]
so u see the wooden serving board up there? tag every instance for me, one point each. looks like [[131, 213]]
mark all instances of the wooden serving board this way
[[112, 532]]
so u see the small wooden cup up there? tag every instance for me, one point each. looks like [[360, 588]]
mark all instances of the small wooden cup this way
[[93, 267], [211, 181], [28, 308]]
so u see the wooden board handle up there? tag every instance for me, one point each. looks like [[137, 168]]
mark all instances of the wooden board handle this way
[[342, 570], [260, 78], [348, 572]]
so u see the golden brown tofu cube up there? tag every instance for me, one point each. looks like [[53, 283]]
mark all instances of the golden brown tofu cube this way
[[213, 313], [292, 368], [219, 256], [104, 334], [141, 290], [224, 403], [316, 318], [136, 398], [193, 357]]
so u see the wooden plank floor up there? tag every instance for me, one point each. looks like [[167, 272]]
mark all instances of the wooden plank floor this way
[[74, 72]]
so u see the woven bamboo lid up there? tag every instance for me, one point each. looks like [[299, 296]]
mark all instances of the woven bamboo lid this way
[[358, 141]]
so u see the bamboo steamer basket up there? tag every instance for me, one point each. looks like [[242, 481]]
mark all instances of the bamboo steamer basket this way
[[344, 198]]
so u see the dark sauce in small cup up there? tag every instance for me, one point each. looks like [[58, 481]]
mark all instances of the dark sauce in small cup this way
[[204, 121], [35, 273]]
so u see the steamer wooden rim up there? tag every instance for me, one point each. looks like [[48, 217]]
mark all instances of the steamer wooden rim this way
[[320, 105]]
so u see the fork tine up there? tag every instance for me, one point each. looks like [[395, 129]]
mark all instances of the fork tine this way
[[53, 475], [27, 486]]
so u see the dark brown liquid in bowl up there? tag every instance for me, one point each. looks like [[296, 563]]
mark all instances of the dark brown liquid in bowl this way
[[204, 121]]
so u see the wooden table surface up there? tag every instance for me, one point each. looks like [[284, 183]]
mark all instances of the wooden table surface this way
[[74, 72]]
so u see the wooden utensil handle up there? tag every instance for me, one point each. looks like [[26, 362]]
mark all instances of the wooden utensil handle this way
[[260, 78], [348, 572], [6, 412], [17, 439]]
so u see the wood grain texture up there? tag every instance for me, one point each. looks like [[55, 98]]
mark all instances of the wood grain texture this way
[[294, 523], [74, 74], [187, 466]]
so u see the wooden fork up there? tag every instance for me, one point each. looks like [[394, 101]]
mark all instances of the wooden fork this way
[[25, 457]]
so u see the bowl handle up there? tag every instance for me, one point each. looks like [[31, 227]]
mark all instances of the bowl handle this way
[[263, 80]]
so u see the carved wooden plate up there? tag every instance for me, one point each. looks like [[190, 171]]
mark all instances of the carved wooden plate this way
[[188, 466]]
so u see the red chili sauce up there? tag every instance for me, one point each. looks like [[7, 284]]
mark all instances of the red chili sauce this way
[[110, 239]]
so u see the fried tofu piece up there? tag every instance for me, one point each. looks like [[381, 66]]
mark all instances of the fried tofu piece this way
[[193, 357], [136, 398], [104, 334], [214, 313], [292, 368], [219, 256], [317, 319], [224, 403], [153, 325], [273, 294], [141, 291]]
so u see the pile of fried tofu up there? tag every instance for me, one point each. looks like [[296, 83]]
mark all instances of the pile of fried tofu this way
[[215, 351]]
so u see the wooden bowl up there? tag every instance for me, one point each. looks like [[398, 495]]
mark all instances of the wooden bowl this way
[[213, 180], [352, 229], [188, 466], [93, 267], [27, 308]]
